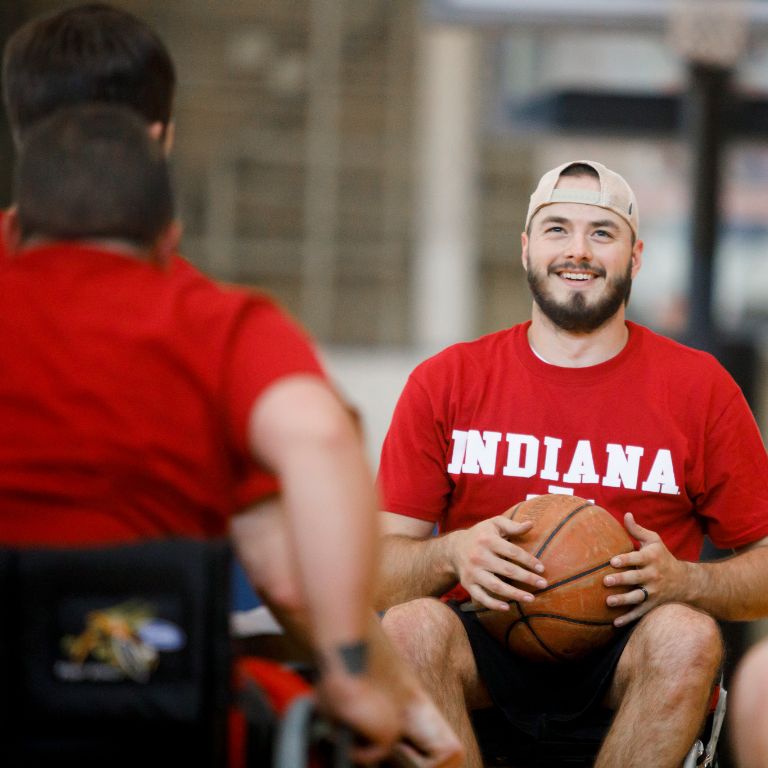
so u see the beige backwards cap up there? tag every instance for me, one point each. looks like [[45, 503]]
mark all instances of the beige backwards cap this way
[[614, 193]]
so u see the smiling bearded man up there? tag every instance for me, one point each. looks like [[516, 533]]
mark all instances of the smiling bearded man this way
[[576, 313], [579, 401], [585, 256]]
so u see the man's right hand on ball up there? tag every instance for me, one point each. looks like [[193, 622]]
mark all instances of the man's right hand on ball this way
[[485, 553]]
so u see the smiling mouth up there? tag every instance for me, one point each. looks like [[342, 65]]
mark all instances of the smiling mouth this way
[[576, 276]]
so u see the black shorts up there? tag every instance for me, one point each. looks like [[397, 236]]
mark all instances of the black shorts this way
[[545, 700]]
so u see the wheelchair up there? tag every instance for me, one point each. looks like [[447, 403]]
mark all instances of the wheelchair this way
[[704, 753], [124, 656], [565, 753], [118, 655]]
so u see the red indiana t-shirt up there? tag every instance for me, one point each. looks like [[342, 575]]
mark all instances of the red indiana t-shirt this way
[[125, 390], [660, 430]]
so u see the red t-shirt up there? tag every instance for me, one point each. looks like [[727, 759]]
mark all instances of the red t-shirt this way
[[660, 430], [125, 391]]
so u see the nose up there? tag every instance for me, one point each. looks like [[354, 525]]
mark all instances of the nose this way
[[578, 247]]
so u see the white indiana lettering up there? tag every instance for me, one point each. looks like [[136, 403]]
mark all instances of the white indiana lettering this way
[[475, 452], [661, 478], [514, 467], [478, 451], [550, 459], [623, 465], [582, 469], [459, 449]]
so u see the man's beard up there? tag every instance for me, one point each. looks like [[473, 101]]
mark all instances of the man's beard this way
[[575, 314]]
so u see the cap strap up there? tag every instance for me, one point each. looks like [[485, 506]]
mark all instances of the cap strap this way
[[563, 195]]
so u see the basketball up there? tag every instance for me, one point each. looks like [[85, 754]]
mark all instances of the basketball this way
[[575, 540]]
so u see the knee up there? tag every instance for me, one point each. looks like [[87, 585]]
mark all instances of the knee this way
[[750, 684], [681, 640], [422, 630], [747, 710]]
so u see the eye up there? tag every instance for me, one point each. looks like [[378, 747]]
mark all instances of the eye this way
[[602, 233], [555, 229]]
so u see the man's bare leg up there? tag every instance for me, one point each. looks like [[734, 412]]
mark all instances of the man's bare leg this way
[[748, 709], [662, 688], [432, 639]]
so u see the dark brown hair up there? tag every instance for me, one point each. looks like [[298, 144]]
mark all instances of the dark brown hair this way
[[91, 52], [91, 172]]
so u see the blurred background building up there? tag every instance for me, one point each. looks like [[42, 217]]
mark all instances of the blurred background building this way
[[368, 162]]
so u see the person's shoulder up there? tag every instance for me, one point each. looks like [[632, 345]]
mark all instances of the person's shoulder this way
[[208, 302], [678, 358], [463, 355], [661, 344], [183, 275]]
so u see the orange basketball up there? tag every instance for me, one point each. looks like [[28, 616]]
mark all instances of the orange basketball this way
[[575, 539]]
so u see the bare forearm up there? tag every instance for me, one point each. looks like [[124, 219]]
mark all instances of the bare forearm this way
[[262, 540], [301, 431], [332, 527], [359, 685], [415, 568], [264, 544], [733, 589]]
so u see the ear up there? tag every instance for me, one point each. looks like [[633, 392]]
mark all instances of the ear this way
[[164, 133], [524, 252], [637, 257], [11, 231], [166, 244], [169, 141]]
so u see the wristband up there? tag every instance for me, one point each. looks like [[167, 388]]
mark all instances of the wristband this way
[[354, 658]]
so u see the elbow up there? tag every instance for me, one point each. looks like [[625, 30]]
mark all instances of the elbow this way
[[300, 417], [272, 579], [284, 598], [331, 435], [382, 601]]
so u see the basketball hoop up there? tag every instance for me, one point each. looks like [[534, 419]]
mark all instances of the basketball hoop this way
[[709, 32]]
